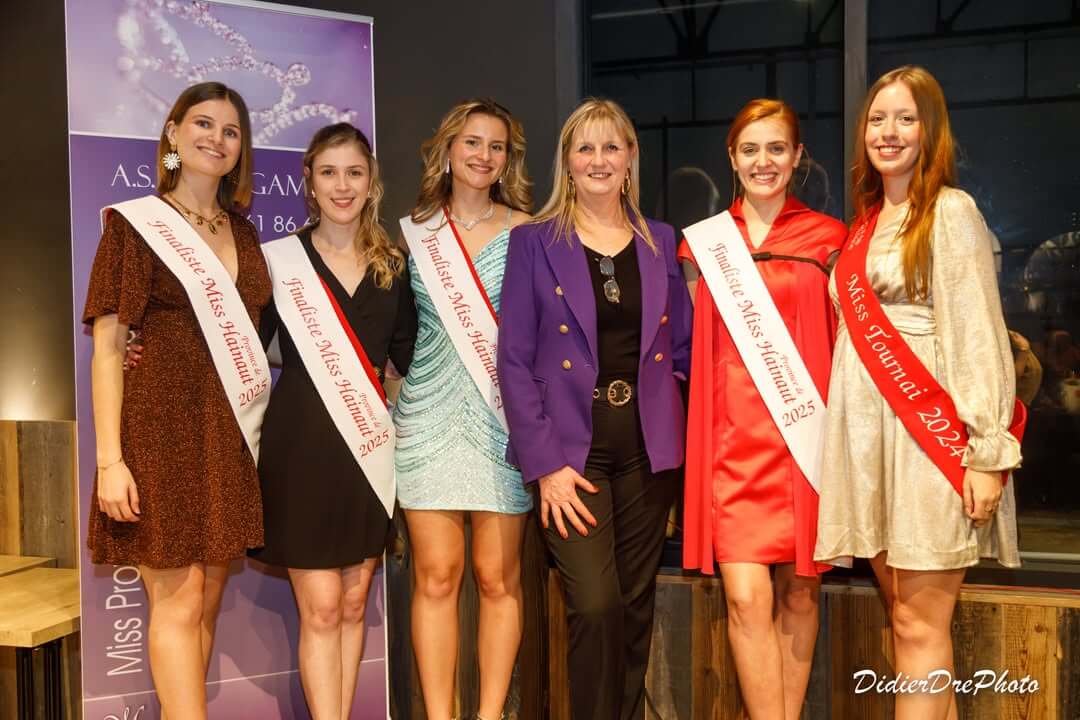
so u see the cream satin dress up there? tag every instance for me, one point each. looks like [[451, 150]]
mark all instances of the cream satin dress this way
[[880, 491]]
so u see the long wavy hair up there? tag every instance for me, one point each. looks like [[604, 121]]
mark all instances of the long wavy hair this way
[[763, 109], [234, 189], [935, 169], [561, 204], [372, 241], [513, 190]]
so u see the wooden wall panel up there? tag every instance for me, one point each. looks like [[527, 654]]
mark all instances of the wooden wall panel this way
[[1030, 647], [38, 517], [669, 678], [859, 639], [10, 524], [1068, 698], [977, 632], [47, 470], [558, 642], [8, 695], [1024, 632], [817, 692], [530, 680], [715, 694]]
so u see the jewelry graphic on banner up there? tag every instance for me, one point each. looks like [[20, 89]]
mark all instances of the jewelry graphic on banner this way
[[147, 19]]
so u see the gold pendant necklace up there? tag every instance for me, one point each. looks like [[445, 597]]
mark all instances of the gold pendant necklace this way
[[196, 219]]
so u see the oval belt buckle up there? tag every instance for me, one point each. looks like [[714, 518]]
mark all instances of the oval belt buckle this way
[[616, 388]]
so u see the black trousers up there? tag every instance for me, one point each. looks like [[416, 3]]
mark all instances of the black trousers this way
[[609, 576]]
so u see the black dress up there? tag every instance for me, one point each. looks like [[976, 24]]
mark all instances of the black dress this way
[[319, 510]]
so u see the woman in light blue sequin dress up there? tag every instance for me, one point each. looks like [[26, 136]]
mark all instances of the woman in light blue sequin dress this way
[[450, 447]]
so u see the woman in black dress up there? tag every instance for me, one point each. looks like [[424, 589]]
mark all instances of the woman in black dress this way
[[322, 519]]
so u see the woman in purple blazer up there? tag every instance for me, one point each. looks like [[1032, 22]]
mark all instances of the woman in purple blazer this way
[[594, 337]]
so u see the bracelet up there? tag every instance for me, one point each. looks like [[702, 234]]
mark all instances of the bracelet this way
[[106, 467]]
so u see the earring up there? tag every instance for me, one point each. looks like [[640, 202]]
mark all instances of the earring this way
[[626, 184], [171, 159], [571, 191], [447, 170], [234, 174]]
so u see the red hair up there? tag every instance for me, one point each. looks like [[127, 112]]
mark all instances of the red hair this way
[[763, 109], [935, 168]]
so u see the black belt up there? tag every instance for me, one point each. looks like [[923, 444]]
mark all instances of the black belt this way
[[617, 393], [764, 256]]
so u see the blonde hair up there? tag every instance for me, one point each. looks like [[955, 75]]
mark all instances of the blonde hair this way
[[234, 188], [560, 205], [436, 184], [935, 169], [372, 241]]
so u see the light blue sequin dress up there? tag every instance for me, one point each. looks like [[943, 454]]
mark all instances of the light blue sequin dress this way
[[450, 449]]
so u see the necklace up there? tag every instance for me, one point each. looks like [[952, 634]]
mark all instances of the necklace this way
[[196, 219], [476, 221]]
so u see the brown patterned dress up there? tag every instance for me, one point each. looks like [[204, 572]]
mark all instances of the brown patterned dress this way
[[198, 488]]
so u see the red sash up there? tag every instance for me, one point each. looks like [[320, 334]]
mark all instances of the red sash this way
[[365, 361], [919, 401]]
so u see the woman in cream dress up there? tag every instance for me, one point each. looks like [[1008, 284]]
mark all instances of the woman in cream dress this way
[[931, 265]]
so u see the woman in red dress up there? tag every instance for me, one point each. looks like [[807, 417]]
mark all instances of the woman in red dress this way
[[748, 505]]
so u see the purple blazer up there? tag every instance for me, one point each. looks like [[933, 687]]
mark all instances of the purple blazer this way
[[547, 357]]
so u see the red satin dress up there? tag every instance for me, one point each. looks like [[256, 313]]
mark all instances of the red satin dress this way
[[746, 499]]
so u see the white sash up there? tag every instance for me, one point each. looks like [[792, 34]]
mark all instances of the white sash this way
[[461, 302], [336, 362], [226, 326], [762, 338]]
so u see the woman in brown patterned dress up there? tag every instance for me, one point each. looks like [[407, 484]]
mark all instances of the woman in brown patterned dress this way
[[176, 487]]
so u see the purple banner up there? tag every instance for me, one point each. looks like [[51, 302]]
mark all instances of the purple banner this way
[[127, 61]]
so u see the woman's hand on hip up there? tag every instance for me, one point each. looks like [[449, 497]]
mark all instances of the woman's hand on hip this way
[[982, 493], [558, 496]]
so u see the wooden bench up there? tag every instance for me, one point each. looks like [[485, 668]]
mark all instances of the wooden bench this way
[[38, 608]]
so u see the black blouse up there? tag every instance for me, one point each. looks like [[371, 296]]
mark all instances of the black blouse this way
[[384, 321], [618, 325]]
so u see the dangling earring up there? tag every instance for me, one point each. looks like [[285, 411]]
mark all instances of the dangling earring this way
[[626, 184], [734, 185], [447, 170], [234, 174], [171, 159], [571, 191]]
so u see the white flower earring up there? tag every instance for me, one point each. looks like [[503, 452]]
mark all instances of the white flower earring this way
[[171, 159]]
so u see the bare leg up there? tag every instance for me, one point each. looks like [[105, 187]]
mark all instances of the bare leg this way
[[356, 582], [796, 621], [920, 606], [213, 587], [176, 657], [438, 544], [496, 551], [754, 643], [319, 600]]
